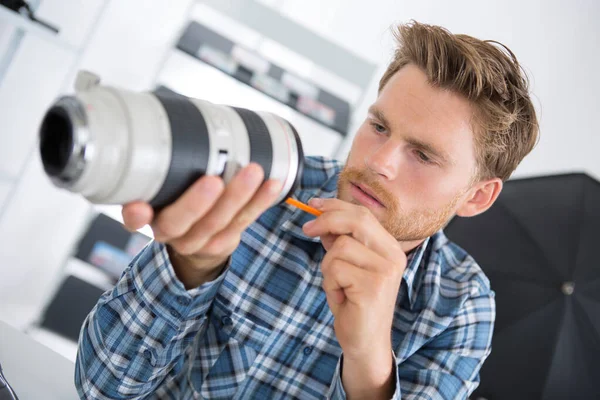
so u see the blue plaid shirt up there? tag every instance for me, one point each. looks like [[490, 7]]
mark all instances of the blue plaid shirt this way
[[263, 329]]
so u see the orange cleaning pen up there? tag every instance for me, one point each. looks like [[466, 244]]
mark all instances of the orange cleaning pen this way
[[303, 207]]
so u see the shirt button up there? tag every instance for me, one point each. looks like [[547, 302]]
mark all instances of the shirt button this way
[[175, 313], [184, 301], [148, 355], [307, 350], [226, 320]]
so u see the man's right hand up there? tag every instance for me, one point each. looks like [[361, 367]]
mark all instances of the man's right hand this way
[[204, 225]]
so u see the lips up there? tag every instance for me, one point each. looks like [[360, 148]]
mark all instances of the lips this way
[[368, 191]]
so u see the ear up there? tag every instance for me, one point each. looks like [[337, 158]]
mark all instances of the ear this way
[[480, 197]]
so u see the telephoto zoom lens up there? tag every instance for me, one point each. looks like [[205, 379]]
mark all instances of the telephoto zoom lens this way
[[116, 146]]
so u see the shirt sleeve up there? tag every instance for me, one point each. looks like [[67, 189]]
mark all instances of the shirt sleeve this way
[[140, 335], [448, 366], [337, 392]]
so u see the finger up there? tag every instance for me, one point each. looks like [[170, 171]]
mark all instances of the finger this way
[[327, 240], [334, 291], [237, 193], [360, 224], [347, 248], [136, 215], [261, 201], [228, 239], [335, 298], [332, 204], [177, 218], [342, 276], [218, 246]]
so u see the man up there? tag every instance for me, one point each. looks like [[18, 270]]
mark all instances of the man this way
[[237, 299]]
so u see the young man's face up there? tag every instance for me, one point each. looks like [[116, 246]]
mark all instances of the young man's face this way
[[415, 153]]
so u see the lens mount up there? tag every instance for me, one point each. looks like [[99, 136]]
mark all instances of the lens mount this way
[[64, 141]]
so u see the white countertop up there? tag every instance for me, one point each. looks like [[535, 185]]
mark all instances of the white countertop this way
[[33, 370]]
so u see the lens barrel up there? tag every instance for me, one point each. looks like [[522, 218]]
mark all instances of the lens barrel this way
[[115, 146]]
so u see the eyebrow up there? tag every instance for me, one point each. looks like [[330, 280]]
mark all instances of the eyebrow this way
[[379, 115], [419, 144]]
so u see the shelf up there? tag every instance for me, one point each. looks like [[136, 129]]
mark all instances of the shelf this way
[[89, 273], [20, 21], [252, 69], [270, 23]]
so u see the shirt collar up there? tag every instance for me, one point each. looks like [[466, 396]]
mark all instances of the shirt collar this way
[[415, 263]]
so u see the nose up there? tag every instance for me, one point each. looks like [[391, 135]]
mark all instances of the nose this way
[[385, 160]]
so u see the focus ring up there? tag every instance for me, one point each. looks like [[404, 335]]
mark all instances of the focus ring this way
[[190, 147], [261, 147]]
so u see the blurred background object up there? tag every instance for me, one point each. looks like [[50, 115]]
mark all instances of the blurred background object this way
[[538, 245], [22, 7]]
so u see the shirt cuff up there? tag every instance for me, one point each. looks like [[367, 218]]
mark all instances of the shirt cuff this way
[[337, 392], [159, 287]]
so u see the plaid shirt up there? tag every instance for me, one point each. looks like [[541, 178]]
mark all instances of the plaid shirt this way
[[263, 329]]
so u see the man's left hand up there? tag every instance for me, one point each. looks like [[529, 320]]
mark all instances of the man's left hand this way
[[362, 271]]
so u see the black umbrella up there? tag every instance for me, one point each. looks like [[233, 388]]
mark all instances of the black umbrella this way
[[539, 245]]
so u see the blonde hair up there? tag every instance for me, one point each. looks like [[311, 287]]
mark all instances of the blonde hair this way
[[490, 77]]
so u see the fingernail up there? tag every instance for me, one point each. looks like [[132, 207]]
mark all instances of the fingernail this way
[[315, 202]]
